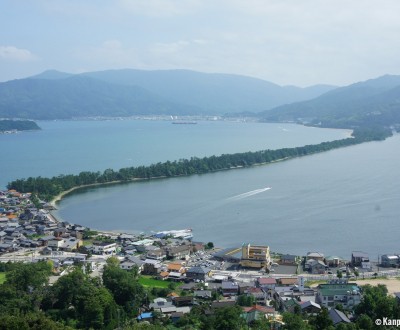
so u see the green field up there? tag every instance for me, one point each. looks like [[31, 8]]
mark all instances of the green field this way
[[150, 282], [2, 277]]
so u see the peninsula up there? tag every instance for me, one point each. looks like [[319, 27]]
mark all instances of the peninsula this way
[[13, 126], [49, 188]]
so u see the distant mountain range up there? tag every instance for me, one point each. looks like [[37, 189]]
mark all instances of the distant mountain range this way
[[369, 103], [80, 96], [120, 93]]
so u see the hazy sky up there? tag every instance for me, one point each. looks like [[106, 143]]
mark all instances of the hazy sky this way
[[289, 42]]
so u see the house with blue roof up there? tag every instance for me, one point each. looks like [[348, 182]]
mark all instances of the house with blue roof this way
[[145, 316]]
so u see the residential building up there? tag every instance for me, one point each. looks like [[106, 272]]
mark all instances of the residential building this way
[[55, 243], [197, 273], [335, 261], [338, 317], [310, 307], [198, 246], [127, 265], [176, 267], [159, 303], [104, 247], [288, 259], [258, 294], [315, 255], [4, 247], [141, 245], [155, 253], [290, 304], [183, 301], [257, 312], [71, 244], [360, 259], [138, 262], [266, 283], [244, 286], [202, 294], [288, 281], [229, 288], [178, 252], [255, 256], [338, 292], [151, 267], [390, 260], [145, 317], [315, 266]]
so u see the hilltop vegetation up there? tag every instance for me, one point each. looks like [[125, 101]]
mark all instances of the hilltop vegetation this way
[[370, 103], [213, 93], [75, 97], [78, 301], [114, 300], [122, 93], [19, 125]]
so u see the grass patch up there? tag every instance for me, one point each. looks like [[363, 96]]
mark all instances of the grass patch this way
[[88, 241], [2, 278], [147, 281]]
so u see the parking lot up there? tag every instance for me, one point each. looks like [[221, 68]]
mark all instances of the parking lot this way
[[204, 259]]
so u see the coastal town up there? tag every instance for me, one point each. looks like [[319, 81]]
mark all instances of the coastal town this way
[[264, 283]]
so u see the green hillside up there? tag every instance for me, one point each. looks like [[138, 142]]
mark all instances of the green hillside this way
[[19, 125], [373, 102], [119, 93], [214, 93], [79, 96]]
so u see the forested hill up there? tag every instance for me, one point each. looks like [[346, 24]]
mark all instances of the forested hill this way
[[214, 93], [121, 93], [17, 125], [78, 96], [369, 103]]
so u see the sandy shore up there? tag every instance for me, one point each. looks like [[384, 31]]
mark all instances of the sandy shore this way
[[60, 196]]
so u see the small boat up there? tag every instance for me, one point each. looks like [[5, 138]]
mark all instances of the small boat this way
[[183, 234], [184, 122]]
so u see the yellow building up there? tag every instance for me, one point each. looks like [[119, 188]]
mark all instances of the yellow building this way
[[255, 256]]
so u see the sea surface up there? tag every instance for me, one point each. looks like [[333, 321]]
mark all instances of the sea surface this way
[[335, 202], [70, 147]]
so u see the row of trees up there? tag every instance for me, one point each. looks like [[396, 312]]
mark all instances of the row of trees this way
[[79, 301], [76, 300], [48, 188]]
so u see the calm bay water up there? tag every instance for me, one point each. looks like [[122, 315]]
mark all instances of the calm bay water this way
[[69, 147], [334, 202]]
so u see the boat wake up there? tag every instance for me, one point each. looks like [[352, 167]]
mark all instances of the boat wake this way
[[248, 194]]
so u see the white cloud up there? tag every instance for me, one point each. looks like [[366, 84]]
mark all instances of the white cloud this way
[[170, 48], [284, 41], [15, 54], [160, 8], [110, 54]]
